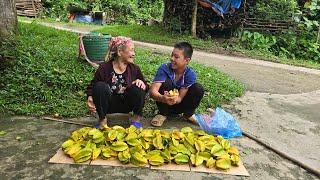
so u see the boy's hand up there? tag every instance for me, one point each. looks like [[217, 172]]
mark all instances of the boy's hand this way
[[90, 105], [170, 100], [177, 99], [139, 84]]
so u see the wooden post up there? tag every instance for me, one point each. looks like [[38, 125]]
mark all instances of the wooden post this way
[[194, 19], [34, 8]]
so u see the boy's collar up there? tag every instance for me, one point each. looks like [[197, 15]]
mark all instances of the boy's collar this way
[[170, 66]]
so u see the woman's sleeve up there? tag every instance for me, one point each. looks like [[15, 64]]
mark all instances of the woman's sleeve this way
[[98, 76]]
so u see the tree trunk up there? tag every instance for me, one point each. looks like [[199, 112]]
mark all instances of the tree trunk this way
[[194, 19], [8, 18]]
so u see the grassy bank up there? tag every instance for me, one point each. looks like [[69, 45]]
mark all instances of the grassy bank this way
[[45, 77]]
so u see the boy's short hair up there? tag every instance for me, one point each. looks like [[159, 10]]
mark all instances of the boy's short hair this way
[[186, 47]]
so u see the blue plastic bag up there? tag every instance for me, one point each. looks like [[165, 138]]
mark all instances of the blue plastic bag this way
[[222, 123]]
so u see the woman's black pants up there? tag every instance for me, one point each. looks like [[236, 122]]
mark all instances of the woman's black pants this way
[[132, 100]]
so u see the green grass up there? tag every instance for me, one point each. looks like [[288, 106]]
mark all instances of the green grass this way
[[156, 34], [47, 78]]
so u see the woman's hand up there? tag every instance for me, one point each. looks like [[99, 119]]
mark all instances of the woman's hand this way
[[139, 84], [90, 105]]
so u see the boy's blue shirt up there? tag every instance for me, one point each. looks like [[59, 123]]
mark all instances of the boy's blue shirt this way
[[166, 72]]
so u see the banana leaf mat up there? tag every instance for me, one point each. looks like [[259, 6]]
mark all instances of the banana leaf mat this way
[[61, 158]]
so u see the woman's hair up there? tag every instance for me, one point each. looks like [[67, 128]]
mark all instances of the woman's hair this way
[[115, 44]]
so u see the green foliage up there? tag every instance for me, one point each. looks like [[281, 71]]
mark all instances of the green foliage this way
[[302, 44], [6, 53], [175, 25], [308, 18], [274, 9], [257, 41], [47, 77], [287, 44], [126, 11], [299, 43], [58, 9]]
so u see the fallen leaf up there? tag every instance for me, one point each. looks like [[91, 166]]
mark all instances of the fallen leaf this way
[[18, 138], [2, 133]]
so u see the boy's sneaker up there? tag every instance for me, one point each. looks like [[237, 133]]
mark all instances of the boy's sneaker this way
[[158, 120]]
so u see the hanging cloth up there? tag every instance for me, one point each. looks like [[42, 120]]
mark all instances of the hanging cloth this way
[[221, 7]]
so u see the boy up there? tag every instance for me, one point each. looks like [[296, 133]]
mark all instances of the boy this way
[[176, 75]]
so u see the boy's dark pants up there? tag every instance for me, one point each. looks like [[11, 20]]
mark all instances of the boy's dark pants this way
[[106, 102], [188, 104]]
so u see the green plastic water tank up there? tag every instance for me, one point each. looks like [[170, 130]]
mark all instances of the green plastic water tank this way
[[96, 45]]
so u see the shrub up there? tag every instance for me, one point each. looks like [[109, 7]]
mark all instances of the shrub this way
[[257, 40], [126, 11]]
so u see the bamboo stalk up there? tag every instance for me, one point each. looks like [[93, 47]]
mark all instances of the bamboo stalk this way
[[33, 6], [66, 121]]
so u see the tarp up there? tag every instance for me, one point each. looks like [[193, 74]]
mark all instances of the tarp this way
[[223, 6]]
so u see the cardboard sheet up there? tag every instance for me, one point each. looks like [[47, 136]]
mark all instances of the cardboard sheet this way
[[238, 171], [112, 162], [62, 158], [172, 167]]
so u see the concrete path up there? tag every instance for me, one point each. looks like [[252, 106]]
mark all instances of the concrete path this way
[[27, 158], [281, 106]]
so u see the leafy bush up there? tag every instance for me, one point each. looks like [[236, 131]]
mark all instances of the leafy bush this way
[[303, 43], [298, 46], [258, 41], [287, 44], [126, 11], [58, 9], [274, 9], [299, 43]]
